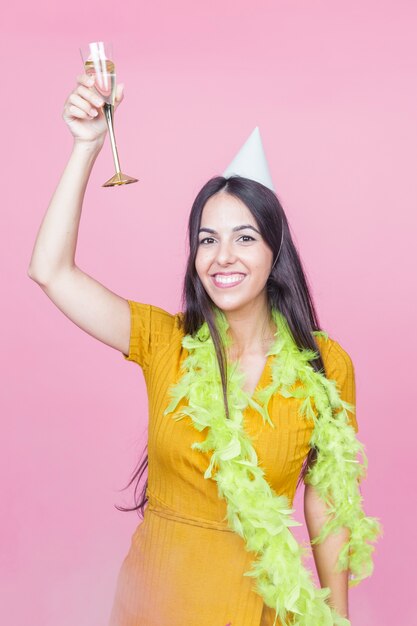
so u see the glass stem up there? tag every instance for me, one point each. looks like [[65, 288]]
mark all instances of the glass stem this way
[[108, 112]]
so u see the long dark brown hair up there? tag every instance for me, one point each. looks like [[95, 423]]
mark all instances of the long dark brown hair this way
[[287, 289]]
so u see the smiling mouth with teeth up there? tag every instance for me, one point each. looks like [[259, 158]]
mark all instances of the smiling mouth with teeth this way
[[227, 280]]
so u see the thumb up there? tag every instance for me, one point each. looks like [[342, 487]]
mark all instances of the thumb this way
[[120, 92]]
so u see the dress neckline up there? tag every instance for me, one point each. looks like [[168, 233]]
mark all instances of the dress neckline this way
[[262, 379]]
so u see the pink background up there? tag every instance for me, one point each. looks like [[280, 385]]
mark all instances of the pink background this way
[[332, 87]]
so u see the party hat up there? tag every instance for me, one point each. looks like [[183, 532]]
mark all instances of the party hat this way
[[251, 162]]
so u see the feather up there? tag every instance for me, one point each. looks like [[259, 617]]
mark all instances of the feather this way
[[260, 516]]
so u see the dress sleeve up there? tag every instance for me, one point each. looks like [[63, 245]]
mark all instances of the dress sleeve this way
[[147, 324], [339, 367]]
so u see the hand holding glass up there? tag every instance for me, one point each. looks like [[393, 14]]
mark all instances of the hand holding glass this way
[[98, 62]]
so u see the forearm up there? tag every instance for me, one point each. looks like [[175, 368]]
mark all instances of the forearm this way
[[327, 552], [325, 557], [56, 241]]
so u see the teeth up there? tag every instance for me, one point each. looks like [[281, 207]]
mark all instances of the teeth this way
[[228, 279]]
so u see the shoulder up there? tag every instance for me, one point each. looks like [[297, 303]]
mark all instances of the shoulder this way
[[152, 328], [157, 319], [339, 367], [335, 357]]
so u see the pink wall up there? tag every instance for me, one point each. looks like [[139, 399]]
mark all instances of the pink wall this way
[[333, 88]]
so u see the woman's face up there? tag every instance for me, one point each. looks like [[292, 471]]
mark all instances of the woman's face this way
[[233, 260]]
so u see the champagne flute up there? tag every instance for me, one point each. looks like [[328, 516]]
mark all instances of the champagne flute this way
[[97, 58]]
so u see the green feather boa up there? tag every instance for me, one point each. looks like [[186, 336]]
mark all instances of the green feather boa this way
[[261, 517]]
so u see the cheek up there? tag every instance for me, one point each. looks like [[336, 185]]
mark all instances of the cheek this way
[[202, 259], [200, 263], [263, 264], [268, 256]]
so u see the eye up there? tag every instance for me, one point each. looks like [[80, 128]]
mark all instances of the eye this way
[[205, 239], [244, 238]]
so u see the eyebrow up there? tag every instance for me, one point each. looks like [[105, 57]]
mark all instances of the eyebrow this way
[[235, 229]]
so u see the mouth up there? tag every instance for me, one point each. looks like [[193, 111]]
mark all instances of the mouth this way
[[226, 281]]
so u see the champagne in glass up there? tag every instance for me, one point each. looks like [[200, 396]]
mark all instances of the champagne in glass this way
[[105, 79], [98, 62]]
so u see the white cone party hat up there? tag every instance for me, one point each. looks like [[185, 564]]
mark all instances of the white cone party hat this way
[[251, 162]]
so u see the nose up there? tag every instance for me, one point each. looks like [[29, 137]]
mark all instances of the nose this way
[[225, 253]]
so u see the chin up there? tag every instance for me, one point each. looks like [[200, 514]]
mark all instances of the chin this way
[[226, 304], [228, 299]]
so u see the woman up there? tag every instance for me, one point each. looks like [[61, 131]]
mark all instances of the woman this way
[[247, 399]]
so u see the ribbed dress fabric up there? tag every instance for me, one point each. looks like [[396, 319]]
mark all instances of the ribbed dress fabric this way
[[185, 566]]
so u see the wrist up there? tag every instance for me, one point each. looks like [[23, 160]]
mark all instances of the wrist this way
[[87, 147]]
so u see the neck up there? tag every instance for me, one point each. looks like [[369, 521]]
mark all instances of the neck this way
[[251, 330]]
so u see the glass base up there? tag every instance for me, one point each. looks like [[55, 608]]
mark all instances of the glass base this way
[[119, 179]]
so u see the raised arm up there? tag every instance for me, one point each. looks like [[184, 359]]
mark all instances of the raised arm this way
[[89, 304]]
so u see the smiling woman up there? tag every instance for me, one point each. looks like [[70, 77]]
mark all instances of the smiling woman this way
[[208, 378], [248, 399]]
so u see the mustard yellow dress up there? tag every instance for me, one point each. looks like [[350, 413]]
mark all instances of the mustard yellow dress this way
[[185, 566]]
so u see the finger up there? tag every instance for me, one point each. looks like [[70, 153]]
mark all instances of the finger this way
[[77, 112], [82, 104], [120, 92], [90, 96], [85, 79]]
